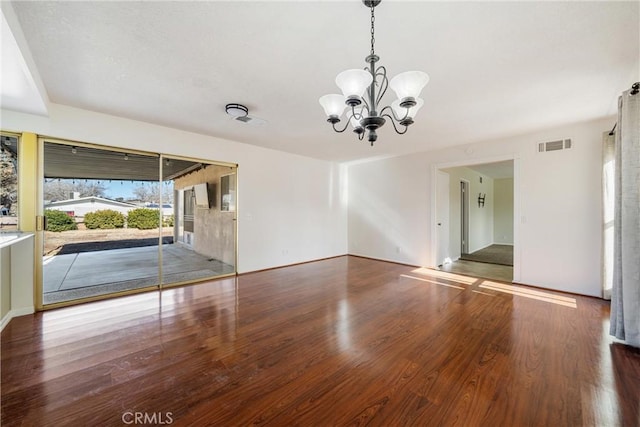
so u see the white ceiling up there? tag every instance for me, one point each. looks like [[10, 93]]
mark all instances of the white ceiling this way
[[497, 68], [18, 88]]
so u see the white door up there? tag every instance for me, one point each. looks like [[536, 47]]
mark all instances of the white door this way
[[442, 217], [464, 216]]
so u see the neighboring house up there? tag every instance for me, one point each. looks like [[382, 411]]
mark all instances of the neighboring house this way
[[79, 207], [167, 208]]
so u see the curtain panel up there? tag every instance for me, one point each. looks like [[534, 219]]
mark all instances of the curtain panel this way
[[625, 295]]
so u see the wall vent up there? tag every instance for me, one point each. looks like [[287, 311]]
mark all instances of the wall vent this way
[[560, 144]]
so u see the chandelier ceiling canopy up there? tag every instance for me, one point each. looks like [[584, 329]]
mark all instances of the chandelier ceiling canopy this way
[[363, 90]]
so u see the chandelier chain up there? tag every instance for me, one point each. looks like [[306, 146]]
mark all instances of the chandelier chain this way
[[373, 29]]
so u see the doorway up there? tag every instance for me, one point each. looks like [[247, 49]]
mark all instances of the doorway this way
[[482, 233]]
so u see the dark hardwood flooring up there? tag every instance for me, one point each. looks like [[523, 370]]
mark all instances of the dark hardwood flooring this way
[[344, 341]]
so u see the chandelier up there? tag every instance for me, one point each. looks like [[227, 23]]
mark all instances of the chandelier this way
[[363, 112]]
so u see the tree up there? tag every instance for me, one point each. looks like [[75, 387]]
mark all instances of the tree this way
[[150, 192], [8, 180], [62, 189]]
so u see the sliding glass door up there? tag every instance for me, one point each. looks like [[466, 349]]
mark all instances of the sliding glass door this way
[[204, 228], [120, 221]]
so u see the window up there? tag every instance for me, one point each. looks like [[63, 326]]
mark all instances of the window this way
[[9, 182], [228, 192]]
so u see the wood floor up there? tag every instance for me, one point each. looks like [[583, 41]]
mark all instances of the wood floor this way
[[502, 273], [344, 341]]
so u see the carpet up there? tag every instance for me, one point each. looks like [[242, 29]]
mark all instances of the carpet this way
[[494, 254]]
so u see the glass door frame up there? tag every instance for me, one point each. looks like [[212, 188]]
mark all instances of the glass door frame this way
[[235, 168], [36, 187]]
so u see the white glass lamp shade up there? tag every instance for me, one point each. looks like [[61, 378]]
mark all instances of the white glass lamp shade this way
[[401, 111], [354, 82], [333, 104], [409, 84]]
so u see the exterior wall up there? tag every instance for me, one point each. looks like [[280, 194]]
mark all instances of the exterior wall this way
[[81, 208], [214, 230]]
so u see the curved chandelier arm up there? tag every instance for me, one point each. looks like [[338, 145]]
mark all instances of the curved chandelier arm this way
[[393, 113], [366, 107], [384, 82], [359, 115], [341, 130], [393, 122]]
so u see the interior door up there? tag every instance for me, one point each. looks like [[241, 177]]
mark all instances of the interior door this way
[[464, 217], [442, 217]]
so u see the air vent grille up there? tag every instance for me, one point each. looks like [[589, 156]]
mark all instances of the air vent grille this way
[[251, 121], [560, 144]]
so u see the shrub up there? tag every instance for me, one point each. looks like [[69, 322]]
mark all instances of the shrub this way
[[59, 221], [104, 219], [143, 218], [167, 221]]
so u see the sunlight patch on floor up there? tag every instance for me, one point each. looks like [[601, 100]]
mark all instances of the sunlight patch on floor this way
[[529, 293], [483, 293], [431, 281], [444, 275]]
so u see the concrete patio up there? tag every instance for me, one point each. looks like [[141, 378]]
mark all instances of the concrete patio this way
[[81, 275]]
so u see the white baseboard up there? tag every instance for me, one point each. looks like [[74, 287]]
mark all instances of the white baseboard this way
[[15, 313], [5, 321]]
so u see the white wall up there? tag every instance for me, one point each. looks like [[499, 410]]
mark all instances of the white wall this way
[[16, 276], [557, 200], [503, 211], [480, 218], [389, 210], [83, 207], [290, 208], [5, 281]]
